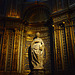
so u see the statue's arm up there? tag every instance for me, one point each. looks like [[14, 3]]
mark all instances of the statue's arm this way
[[32, 43]]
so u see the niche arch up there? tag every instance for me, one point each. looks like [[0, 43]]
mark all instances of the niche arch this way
[[43, 26]]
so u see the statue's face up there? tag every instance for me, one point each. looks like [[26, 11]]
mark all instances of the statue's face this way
[[37, 34]]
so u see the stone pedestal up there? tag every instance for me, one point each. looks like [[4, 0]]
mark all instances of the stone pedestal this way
[[39, 72]]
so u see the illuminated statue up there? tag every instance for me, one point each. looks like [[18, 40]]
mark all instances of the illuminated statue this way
[[37, 52]]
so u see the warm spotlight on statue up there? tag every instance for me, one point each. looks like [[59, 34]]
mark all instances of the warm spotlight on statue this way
[[37, 52]]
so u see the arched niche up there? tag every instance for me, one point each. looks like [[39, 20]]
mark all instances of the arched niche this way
[[37, 19]]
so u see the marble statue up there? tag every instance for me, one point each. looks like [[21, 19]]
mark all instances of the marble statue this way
[[37, 52]]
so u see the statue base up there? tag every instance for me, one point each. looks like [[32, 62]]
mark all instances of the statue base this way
[[39, 72]]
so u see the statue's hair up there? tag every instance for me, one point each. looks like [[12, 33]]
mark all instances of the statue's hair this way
[[37, 34]]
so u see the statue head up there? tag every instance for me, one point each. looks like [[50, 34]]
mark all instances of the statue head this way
[[37, 34]]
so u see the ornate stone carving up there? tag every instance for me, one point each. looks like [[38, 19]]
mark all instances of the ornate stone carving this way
[[37, 52]]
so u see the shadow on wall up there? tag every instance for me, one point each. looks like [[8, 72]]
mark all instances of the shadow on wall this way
[[29, 57]]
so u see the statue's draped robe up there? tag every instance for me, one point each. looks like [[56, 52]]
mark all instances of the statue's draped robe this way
[[37, 52]]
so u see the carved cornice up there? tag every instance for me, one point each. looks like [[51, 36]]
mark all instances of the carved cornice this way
[[69, 10]]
